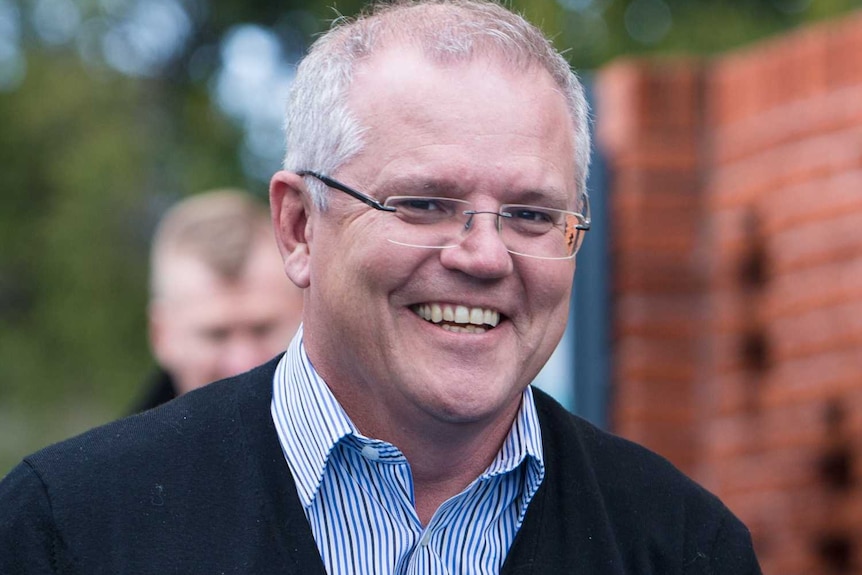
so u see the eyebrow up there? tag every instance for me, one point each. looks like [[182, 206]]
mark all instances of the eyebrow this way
[[419, 186], [550, 198]]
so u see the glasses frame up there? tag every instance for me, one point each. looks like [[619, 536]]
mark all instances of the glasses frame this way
[[336, 185], [377, 205]]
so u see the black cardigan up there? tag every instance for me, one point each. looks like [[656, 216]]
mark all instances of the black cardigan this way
[[200, 486]]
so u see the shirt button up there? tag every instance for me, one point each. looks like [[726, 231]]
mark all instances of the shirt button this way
[[426, 537], [371, 453]]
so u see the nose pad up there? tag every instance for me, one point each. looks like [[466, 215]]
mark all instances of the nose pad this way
[[470, 213], [481, 238], [498, 224], [482, 253]]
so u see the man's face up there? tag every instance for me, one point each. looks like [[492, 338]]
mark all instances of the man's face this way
[[473, 131], [205, 328]]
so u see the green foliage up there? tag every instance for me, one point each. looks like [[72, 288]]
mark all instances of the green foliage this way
[[89, 162]]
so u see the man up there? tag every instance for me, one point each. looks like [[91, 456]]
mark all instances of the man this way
[[219, 301], [431, 207]]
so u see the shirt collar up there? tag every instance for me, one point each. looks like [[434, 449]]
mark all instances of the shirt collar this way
[[310, 423]]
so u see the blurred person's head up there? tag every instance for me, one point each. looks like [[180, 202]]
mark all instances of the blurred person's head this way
[[219, 299]]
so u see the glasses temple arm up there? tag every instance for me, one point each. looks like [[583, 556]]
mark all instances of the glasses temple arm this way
[[336, 185]]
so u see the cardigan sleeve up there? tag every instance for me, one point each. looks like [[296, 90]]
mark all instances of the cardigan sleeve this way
[[29, 543], [732, 551], [727, 550]]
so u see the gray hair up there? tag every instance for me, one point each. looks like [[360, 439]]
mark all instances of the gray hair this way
[[322, 133]]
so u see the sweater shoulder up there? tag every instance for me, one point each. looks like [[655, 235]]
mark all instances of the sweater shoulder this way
[[170, 438], [622, 469]]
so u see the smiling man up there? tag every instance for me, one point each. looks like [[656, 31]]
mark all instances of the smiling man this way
[[431, 207]]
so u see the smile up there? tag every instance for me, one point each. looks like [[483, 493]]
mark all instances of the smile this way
[[458, 318]]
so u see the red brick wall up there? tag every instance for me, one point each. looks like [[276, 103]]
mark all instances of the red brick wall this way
[[736, 206]]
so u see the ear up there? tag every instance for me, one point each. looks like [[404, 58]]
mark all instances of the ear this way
[[291, 213]]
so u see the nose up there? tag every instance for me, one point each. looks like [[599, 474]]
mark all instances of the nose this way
[[481, 252]]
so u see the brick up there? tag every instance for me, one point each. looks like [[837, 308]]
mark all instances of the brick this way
[[816, 331], [844, 45], [813, 200], [655, 360], [799, 291], [804, 425], [738, 330], [659, 151], [648, 190], [800, 66], [662, 317], [785, 469], [672, 95], [820, 241], [618, 89], [783, 166], [636, 97], [731, 391], [733, 89], [792, 122], [732, 313], [812, 377], [650, 272]]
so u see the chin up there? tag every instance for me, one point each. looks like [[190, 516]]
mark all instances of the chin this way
[[472, 408]]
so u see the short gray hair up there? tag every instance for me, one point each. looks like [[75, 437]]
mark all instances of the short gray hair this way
[[322, 133]]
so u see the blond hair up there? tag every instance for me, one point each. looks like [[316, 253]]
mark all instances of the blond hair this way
[[219, 228]]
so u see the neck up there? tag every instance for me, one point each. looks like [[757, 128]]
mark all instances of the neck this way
[[444, 457], [444, 473]]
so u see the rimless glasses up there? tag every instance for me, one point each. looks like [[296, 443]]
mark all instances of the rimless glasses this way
[[438, 223]]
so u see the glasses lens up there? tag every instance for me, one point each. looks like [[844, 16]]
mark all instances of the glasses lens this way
[[432, 222], [541, 232], [427, 222]]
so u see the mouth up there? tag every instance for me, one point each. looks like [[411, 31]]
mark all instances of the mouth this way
[[458, 318]]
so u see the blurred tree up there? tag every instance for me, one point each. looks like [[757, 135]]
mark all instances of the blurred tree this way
[[113, 109]]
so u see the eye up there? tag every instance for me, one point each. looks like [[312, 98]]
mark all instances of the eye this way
[[422, 210], [420, 204], [529, 215], [531, 220]]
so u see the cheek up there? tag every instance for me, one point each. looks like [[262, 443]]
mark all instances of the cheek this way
[[364, 266], [549, 287]]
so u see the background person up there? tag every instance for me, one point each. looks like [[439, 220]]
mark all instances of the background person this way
[[431, 207], [219, 301]]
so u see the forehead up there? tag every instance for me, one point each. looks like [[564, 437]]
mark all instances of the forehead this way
[[181, 275], [460, 119]]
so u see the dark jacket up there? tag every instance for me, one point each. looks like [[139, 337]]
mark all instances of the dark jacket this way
[[200, 486]]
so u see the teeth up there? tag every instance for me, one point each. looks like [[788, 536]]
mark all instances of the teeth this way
[[462, 314], [466, 329], [477, 316], [490, 317], [469, 318], [436, 313]]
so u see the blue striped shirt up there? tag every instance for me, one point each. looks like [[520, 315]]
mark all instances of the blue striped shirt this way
[[357, 492]]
